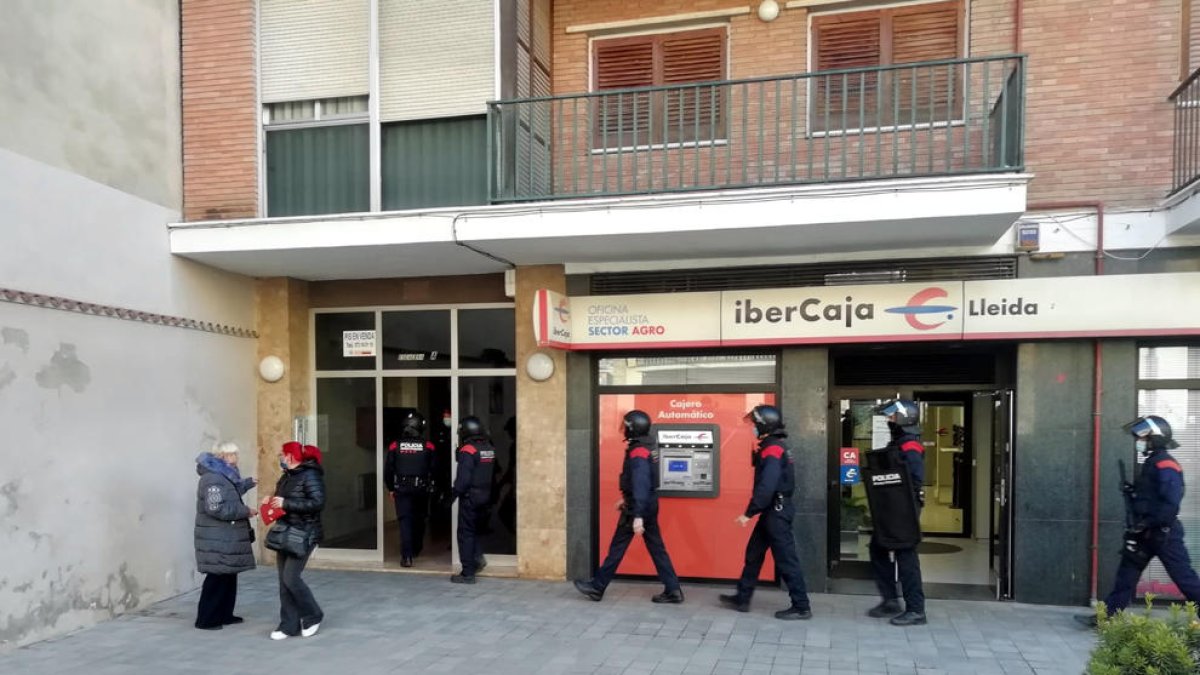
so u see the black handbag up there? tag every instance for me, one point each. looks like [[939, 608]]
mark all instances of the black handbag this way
[[288, 539]]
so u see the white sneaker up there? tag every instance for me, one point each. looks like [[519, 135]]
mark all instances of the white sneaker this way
[[279, 635], [311, 630]]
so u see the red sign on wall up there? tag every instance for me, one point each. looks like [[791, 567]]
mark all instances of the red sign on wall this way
[[849, 456], [700, 533]]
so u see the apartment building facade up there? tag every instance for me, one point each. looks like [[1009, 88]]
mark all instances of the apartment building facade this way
[[545, 212]]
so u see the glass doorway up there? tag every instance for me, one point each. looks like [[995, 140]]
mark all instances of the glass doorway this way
[[372, 367], [967, 453]]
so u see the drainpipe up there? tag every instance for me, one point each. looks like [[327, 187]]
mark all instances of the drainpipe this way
[[1018, 24], [1097, 379]]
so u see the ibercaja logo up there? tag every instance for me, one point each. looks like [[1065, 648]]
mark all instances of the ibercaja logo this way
[[918, 308]]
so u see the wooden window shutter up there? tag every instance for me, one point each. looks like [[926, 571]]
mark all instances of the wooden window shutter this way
[[844, 41], [693, 114], [623, 119], [926, 33]]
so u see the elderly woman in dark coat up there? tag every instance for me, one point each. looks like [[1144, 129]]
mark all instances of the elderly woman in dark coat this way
[[223, 536]]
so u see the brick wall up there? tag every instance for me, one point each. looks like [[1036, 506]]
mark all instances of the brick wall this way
[[1098, 125], [220, 115]]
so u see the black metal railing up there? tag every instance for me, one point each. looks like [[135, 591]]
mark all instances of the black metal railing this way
[[920, 119], [1185, 155]]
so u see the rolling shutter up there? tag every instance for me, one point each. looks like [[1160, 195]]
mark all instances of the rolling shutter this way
[[925, 33], [699, 56], [312, 49], [845, 41], [436, 59]]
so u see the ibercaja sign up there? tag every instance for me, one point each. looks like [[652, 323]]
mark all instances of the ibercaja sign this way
[[1062, 307]]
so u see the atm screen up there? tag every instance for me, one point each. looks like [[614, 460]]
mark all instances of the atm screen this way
[[688, 464]]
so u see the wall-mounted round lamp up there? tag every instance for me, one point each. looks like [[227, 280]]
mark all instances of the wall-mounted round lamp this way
[[271, 369], [768, 10], [539, 366]]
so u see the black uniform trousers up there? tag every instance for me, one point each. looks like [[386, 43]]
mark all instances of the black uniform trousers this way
[[909, 566], [654, 544], [472, 518], [773, 531], [1169, 549], [218, 595], [412, 509]]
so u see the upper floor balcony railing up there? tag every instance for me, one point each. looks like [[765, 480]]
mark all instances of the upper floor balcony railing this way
[[936, 118], [1185, 161]]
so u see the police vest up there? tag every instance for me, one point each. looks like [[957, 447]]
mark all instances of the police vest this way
[[485, 467], [892, 499], [626, 480], [412, 457], [787, 477]]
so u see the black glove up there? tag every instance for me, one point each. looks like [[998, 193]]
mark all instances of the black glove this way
[[1127, 488], [921, 498]]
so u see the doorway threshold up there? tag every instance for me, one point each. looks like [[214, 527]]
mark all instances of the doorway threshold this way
[[933, 591]]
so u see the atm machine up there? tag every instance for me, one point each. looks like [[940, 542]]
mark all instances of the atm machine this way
[[689, 460]]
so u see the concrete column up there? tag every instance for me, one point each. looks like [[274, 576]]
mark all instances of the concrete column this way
[[283, 331], [542, 439], [804, 395]]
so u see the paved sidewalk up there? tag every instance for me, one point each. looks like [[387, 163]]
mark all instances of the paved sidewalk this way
[[402, 623]]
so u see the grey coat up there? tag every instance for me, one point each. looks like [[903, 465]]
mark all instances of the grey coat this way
[[223, 535]]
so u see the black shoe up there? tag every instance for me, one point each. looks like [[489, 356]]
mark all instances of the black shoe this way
[[674, 597], [461, 579], [594, 594], [794, 613], [216, 627], [232, 620], [885, 609], [1088, 620], [735, 601], [909, 619], [480, 564], [406, 562]]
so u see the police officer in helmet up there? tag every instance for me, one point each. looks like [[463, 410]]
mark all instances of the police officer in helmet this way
[[639, 514], [406, 474], [473, 488], [904, 419], [1155, 531], [771, 501]]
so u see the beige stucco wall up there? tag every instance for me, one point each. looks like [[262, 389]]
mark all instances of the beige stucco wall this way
[[542, 437]]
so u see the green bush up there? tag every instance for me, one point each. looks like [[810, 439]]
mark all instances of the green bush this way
[[1136, 643]]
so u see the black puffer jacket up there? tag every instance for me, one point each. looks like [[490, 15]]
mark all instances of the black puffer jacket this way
[[303, 492], [222, 536]]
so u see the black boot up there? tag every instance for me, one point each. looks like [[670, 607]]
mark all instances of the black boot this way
[[889, 607], [406, 561], [909, 619], [587, 588], [735, 601], [1088, 620], [462, 579], [794, 613], [674, 597]]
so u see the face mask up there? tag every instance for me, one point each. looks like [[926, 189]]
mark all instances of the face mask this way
[[282, 464], [1140, 444]]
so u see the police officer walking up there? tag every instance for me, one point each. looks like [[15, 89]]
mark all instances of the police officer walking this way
[[771, 501], [1156, 531], [639, 514], [904, 418], [473, 488], [406, 474]]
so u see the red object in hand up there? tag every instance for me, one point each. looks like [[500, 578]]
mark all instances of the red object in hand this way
[[270, 513]]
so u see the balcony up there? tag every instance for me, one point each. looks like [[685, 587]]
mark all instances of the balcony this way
[[920, 120], [1183, 201]]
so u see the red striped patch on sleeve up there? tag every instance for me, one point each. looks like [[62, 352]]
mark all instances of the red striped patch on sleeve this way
[[639, 453], [912, 446], [1169, 464], [772, 451], [469, 449]]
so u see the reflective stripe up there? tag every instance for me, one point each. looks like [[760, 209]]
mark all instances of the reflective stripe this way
[[1169, 464]]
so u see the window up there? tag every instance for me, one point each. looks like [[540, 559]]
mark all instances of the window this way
[[1169, 386], [887, 37], [679, 114], [317, 156]]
